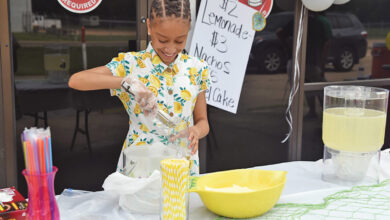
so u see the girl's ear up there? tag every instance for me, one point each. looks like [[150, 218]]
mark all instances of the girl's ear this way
[[148, 25]]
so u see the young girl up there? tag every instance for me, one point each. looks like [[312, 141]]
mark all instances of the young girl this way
[[160, 77]]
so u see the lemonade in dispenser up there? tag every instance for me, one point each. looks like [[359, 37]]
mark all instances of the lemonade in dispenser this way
[[353, 129]]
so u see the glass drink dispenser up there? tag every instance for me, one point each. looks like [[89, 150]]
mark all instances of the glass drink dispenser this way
[[353, 129]]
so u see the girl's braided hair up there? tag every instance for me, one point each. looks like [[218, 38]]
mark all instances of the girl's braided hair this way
[[167, 8]]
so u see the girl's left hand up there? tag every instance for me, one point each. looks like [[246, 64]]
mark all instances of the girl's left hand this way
[[192, 134], [193, 137]]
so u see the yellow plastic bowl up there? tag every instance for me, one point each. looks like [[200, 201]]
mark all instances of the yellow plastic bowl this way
[[267, 187]]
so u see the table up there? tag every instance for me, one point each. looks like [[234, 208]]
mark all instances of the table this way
[[35, 96], [40, 96], [304, 185]]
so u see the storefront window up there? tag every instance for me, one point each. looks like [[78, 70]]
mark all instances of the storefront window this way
[[356, 51], [47, 49]]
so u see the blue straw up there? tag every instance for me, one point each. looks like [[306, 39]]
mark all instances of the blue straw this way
[[50, 156], [45, 145]]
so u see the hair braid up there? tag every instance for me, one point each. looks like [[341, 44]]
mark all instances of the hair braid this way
[[167, 8]]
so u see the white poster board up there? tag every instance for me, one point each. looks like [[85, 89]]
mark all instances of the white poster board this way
[[223, 37]]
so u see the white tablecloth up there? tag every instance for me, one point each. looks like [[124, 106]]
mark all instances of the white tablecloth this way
[[304, 185]]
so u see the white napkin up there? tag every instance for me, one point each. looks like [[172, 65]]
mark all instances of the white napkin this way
[[136, 195]]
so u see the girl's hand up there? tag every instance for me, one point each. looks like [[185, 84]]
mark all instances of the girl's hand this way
[[142, 95], [193, 139], [192, 135]]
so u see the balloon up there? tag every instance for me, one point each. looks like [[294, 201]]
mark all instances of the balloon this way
[[340, 2], [286, 5], [317, 5]]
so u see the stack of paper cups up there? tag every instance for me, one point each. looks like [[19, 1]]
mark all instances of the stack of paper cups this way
[[175, 174]]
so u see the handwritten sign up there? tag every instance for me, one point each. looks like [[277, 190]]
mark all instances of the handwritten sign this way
[[223, 37]]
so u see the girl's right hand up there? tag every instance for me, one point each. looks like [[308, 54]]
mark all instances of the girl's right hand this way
[[142, 95]]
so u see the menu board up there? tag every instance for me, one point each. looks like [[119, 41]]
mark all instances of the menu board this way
[[223, 37]]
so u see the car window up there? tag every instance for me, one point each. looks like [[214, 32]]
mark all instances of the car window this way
[[344, 21], [333, 21]]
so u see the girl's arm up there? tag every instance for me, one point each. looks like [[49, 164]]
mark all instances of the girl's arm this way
[[200, 116], [94, 79], [201, 124]]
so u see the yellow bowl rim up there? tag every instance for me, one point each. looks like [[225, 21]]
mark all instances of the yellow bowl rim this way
[[254, 190]]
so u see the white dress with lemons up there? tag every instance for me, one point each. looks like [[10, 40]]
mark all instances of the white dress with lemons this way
[[176, 87]]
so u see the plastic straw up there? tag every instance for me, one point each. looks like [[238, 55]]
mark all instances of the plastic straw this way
[[36, 157], [37, 150], [31, 157], [46, 146], [25, 156], [50, 154], [174, 188], [42, 160]]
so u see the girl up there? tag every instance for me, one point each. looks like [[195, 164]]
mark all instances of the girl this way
[[158, 77]]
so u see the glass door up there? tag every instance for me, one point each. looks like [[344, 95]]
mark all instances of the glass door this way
[[353, 51], [88, 128]]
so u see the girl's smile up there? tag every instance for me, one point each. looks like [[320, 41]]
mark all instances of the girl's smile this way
[[169, 36]]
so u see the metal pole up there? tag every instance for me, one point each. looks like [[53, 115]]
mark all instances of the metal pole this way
[[295, 141], [83, 47]]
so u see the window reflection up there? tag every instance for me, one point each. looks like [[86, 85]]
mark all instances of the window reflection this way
[[88, 128], [357, 52]]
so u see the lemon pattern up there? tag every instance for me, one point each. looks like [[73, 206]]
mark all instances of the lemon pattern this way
[[154, 90], [120, 71], [178, 108], [137, 109], [143, 80], [154, 81], [176, 90], [185, 94]]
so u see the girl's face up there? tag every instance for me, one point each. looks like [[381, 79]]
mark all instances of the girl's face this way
[[169, 36]]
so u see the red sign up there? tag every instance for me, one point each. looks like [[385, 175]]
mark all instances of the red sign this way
[[264, 6], [80, 6]]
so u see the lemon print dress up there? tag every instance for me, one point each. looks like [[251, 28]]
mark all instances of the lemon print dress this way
[[176, 87]]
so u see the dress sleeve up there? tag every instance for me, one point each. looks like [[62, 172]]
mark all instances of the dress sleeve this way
[[203, 80], [120, 66]]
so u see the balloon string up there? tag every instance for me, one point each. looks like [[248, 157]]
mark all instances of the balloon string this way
[[261, 9], [296, 77]]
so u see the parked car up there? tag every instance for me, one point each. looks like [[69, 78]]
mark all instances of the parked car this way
[[348, 44]]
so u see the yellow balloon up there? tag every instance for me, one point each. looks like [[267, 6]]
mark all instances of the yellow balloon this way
[[388, 41]]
